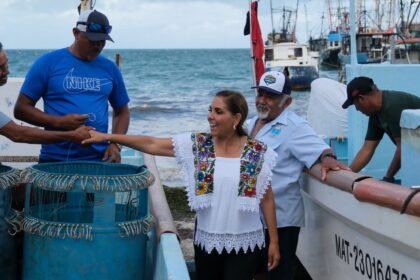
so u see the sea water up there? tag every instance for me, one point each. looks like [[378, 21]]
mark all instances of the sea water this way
[[171, 89]]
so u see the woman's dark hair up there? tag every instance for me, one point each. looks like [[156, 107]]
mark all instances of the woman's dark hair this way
[[1, 47], [236, 103]]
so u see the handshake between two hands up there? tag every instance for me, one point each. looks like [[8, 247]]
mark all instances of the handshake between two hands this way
[[87, 135]]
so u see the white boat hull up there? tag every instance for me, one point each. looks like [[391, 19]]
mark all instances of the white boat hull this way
[[348, 239]]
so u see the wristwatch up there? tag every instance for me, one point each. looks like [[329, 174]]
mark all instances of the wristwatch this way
[[119, 146]]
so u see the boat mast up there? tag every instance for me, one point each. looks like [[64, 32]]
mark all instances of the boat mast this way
[[353, 26], [378, 14], [410, 21], [391, 17], [272, 20], [330, 14], [295, 22]]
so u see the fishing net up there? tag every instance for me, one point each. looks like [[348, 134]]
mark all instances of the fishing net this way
[[76, 199]]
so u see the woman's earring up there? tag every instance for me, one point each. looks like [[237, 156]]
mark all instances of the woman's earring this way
[[234, 127]]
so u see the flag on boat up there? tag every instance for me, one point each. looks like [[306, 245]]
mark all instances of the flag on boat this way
[[257, 42]]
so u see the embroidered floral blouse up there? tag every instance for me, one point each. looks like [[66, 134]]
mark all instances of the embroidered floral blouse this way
[[225, 192]]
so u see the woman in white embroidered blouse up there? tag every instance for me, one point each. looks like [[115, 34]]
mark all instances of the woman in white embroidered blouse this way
[[229, 181]]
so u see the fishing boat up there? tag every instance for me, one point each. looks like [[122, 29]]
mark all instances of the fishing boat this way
[[329, 56], [284, 53], [339, 30], [372, 46], [373, 38], [163, 256], [358, 227]]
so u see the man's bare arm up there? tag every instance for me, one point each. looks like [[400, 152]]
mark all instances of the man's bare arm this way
[[26, 134], [364, 155], [120, 122], [395, 164], [26, 111]]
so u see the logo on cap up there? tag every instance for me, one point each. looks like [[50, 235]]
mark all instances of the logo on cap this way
[[269, 79]]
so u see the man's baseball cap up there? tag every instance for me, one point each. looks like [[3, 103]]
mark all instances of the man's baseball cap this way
[[94, 25], [358, 86], [275, 82]]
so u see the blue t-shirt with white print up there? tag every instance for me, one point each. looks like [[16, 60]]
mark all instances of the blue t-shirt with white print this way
[[69, 85]]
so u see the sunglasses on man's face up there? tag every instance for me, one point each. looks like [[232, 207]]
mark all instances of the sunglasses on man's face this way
[[96, 27]]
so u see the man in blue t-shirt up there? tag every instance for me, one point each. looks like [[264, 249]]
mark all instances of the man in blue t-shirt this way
[[76, 84], [20, 133]]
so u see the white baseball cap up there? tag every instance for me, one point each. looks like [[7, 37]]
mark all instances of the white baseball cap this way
[[275, 82]]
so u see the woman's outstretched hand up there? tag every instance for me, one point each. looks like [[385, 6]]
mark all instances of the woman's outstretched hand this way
[[95, 137]]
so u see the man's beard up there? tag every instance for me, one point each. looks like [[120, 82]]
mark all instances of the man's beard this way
[[263, 112]]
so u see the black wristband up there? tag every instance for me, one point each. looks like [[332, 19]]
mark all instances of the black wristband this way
[[119, 147], [388, 179], [329, 155]]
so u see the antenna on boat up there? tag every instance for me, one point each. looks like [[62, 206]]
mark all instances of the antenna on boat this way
[[272, 21], [353, 48]]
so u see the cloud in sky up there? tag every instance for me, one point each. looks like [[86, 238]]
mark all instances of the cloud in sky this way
[[137, 23]]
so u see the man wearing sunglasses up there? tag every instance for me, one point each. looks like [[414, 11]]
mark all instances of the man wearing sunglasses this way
[[384, 110], [77, 84]]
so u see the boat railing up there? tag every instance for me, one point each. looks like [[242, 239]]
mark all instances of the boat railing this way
[[158, 204], [367, 189], [165, 255]]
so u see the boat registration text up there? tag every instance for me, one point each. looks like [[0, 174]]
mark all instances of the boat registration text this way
[[366, 264]]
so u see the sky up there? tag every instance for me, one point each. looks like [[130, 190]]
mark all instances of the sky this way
[[165, 24]]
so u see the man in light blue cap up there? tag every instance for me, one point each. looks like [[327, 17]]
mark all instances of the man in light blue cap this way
[[297, 147]]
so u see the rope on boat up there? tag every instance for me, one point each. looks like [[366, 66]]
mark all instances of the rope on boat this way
[[358, 180], [408, 199]]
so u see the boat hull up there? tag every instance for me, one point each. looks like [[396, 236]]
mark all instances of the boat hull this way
[[301, 64], [329, 58], [348, 239], [300, 77]]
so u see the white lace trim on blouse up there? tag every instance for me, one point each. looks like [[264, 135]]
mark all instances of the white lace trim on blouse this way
[[219, 241]]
